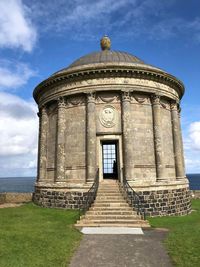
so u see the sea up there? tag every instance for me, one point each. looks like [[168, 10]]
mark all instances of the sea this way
[[26, 184]]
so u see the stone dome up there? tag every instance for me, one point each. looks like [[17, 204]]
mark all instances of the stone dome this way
[[106, 56], [109, 62]]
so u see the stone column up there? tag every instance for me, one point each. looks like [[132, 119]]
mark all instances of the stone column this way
[[60, 145], [42, 151], [91, 137], [177, 141], [127, 136], [157, 129], [181, 138]]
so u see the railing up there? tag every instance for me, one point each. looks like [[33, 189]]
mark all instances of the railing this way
[[133, 198], [91, 195]]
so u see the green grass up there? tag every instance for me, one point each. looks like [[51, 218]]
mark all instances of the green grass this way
[[35, 236], [183, 241]]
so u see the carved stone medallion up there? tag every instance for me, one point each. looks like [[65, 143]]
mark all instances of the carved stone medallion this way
[[107, 116]]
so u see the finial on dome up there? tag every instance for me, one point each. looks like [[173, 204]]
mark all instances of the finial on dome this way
[[105, 43]]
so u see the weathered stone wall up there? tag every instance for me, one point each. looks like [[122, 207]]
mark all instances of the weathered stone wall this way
[[75, 143], [15, 197], [166, 202], [142, 146], [60, 199]]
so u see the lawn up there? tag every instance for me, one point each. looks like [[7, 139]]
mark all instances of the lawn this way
[[183, 241], [35, 236]]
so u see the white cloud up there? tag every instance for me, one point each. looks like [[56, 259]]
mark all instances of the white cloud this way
[[14, 74], [123, 18], [19, 133], [191, 137], [79, 17], [194, 134], [16, 29]]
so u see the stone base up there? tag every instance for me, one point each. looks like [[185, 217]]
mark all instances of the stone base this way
[[166, 202], [59, 199]]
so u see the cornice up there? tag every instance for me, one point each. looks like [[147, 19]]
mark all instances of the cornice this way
[[108, 70]]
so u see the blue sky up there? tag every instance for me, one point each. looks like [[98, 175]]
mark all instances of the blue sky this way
[[37, 38]]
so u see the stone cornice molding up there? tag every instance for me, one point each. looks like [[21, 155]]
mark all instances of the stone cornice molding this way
[[114, 71]]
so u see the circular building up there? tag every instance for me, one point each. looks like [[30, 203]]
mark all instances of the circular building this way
[[111, 111]]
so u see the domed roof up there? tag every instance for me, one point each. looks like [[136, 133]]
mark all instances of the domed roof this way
[[103, 57], [106, 56], [110, 63]]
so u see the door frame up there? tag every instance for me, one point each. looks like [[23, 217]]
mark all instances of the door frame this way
[[111, 138]]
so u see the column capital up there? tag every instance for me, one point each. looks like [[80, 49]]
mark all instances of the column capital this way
[[61, 102], [91, 97], [174, 105], [126, 96], [42, 111], [155, 99]]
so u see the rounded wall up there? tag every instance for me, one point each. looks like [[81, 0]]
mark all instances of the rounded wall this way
[[166, 202], [143, 112]]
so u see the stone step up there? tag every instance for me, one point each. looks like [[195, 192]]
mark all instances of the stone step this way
[[103, 200], [106, 204], [111, 212], [109, 194], [109, 187], [108, 190], [110, 197], [113, 223], [111, 208], [133, 225], [110, 217]]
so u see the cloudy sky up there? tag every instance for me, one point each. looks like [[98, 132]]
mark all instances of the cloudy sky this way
[[37, 38]]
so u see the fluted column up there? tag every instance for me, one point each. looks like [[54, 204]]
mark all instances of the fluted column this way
[[91, 137], [157, 129], [177, 141], [127, 136], [60, 155], [42, 157]]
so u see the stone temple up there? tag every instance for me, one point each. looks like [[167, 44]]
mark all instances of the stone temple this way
[[112, 112]]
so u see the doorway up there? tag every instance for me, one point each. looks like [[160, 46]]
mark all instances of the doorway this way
[[110, 160]]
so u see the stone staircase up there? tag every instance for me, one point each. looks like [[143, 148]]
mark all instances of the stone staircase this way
[[110, 209]]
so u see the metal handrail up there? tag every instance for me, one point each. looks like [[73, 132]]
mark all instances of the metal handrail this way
[[91, 194], [134, 198]]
